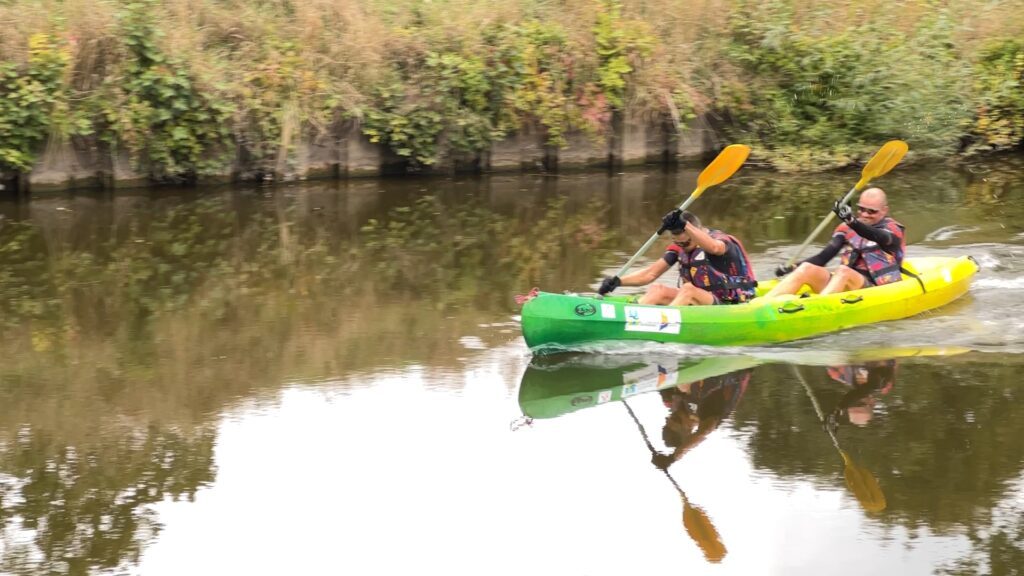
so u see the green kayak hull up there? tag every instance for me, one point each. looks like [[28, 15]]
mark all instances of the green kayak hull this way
[[556, 385], [562, 321]]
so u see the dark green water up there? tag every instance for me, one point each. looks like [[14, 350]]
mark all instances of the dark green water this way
[[329, 378]]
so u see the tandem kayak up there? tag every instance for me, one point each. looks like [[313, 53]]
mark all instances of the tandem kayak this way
[[556, 385], [561, 321]]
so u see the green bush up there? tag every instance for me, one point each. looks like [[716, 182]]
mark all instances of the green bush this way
[[458, 101], [811, 85], [819, 101], [158, 109], [30, 97], [999, 84]]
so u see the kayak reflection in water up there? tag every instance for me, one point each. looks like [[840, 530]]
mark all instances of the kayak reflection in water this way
[[864, 382], [696, 409]]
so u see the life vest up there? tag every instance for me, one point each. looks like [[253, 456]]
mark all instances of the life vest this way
[[868, 257], [713, 396], [732, 286], [880, 376]]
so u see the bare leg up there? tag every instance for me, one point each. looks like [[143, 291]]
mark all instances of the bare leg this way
[[844, 279], [658, 294], [690, 295], [814, 276]]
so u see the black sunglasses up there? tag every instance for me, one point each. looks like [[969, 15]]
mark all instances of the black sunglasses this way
[[867, 210]]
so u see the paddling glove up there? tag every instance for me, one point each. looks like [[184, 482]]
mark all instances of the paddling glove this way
[[662, 461], [844, 211], [673, 221], [608, 284], [784, 269]]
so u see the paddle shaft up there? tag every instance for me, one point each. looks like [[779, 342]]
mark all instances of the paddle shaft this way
[[820, 227], [817, 407], [863, 485], [651, 447]]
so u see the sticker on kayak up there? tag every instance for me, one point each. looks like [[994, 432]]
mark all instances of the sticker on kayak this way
[[650, 377], [604, 396], [585, 309], [643, 319], [608, 311]]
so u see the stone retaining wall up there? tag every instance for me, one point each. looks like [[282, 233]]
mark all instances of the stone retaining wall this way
[[347, 153]]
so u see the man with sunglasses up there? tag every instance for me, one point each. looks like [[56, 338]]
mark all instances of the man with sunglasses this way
[[870, 246], [713, 267]]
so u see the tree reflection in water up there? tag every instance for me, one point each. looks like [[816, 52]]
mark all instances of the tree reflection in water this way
[[71, 508], [126, 331]]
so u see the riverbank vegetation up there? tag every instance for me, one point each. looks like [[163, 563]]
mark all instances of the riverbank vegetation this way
[[186, 87]]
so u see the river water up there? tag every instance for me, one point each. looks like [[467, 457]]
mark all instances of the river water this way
[[329, 378]]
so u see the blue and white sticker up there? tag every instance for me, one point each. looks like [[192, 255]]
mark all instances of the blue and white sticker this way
[[650, 377], [652, 319]]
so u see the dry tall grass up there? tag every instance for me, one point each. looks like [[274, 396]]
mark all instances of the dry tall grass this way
[[352, 39]]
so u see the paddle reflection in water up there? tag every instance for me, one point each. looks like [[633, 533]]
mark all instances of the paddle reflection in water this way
[[695, 410], [864, 378], [698, 396], [701, 394], [861, 482]]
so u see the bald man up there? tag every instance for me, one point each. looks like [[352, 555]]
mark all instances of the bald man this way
[[870, 246]]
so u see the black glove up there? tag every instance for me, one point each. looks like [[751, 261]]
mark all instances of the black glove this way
[[831, 423], [662, 461], [784, 269], [843, 211], [608, 284], [672, 221]]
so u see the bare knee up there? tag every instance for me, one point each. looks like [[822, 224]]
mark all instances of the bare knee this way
[[808, 271], [850, 276], [844, 278], [658, 294], [846, 273], [690, 295]]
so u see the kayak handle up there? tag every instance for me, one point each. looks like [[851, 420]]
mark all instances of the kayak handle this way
[[853, 300], [790, 309]]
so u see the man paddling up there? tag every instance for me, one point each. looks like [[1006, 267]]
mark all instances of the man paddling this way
[[696, 409], [870, 246], [861, 381], [713, 267]]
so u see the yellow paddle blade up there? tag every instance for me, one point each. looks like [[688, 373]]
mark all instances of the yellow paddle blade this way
[[863, 485], [703, 532], [887, 157], [722, 167]]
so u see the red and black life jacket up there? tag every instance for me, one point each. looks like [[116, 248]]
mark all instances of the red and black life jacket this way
[[880, 376], [868, 257], [713, 396], [732, 286]]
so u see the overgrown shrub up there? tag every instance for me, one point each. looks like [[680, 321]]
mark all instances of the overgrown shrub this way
[[31, 95], [186, 86], [821, 100], [999, 84], [162, 113]]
